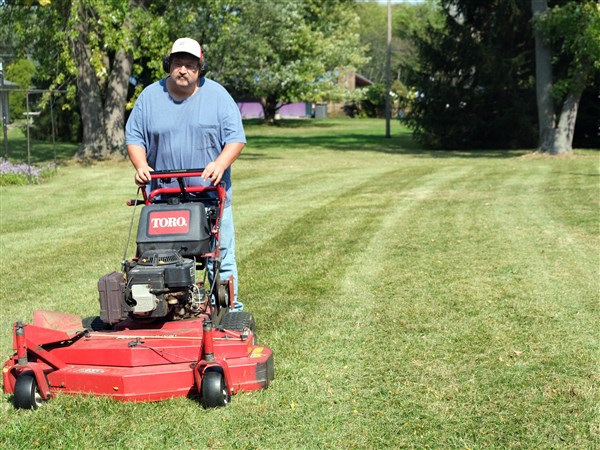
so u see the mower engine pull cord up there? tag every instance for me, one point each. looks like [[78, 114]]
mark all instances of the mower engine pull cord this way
[[137, 194]]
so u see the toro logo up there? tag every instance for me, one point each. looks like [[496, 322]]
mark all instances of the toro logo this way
[[169, 222]]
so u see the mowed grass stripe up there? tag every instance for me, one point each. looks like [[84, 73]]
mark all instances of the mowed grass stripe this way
[[315, 232], [466, 329], [297, 270], [262, 211], [558, 302], [320, 315], [367, 294]]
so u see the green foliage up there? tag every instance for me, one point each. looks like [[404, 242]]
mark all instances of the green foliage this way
[[66, 117], [371, 101], [476, 75], [21, 72], [19, 174], [475, 82], [291, 51], [374, 101], [407, 19], [573, 30]]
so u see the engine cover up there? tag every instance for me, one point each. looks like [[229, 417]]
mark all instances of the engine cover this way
[[181, 227]]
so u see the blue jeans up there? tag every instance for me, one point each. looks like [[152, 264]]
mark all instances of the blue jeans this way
[[228, 263]]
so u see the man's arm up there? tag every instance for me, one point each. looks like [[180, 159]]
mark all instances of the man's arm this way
[[214, 170], [137, 155]]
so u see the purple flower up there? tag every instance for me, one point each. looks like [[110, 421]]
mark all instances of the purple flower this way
[[13, 173]]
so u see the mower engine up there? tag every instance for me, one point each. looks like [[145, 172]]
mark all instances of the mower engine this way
[[173, 241], [162, 282]]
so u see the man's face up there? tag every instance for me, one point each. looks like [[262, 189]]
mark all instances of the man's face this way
[[184, 70]]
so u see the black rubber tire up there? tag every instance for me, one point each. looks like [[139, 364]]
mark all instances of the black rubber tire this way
[[214, 390], [239, 321], [222, 295], [27, 393]]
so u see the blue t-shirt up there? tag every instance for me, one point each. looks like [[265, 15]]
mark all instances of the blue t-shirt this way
[[187, 134]]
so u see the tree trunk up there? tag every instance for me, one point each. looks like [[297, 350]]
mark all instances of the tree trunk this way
[[555, 138], [116, 97], [93, 145], [565, 130], [543, 82], [269, 104]]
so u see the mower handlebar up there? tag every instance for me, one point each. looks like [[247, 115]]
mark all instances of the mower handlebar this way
[[179, 175]]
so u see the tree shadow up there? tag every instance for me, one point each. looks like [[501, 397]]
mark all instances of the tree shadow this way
[[359, 141], [292, 123]]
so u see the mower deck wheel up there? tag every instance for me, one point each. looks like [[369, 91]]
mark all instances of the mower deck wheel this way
[[214, 390], [26, 393]]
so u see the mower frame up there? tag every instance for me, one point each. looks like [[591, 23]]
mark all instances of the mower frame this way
[[212, 355]]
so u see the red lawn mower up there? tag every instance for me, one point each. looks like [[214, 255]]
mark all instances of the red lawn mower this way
[[165, 329]]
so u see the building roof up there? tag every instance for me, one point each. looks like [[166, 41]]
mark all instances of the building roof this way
[[6, 84], [362, 81]]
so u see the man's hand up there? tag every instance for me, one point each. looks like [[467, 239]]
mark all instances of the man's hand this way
[[142, 175], [213, 172]]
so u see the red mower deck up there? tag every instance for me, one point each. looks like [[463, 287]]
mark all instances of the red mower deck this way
[[134, 363]]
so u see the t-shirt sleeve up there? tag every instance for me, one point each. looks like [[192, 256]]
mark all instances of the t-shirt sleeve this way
[[134, 129], [232, 128]]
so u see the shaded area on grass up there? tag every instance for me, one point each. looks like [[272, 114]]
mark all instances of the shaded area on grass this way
[[352, 135], [40, 152]]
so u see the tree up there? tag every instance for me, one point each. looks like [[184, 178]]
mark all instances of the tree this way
[[87, 47], [477, 73], [572, 30], [292, 50], [279, 52], [70, 41], [473, 82]]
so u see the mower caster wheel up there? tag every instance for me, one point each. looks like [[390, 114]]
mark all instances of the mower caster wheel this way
[[214, 390], [27, 393]]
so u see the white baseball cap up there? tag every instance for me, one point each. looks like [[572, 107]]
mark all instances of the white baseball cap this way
[[187, 45]]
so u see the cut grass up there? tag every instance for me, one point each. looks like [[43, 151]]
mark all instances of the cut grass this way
[[413, 299]]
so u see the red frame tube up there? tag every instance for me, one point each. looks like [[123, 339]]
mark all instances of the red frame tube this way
[[148, 198]]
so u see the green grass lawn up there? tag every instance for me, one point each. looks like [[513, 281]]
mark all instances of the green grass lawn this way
[[413, 299]]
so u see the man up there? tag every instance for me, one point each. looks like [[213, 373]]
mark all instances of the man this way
[[186, 121]]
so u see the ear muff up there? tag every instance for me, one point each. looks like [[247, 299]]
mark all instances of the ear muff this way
[[203, 68], [166, 65]]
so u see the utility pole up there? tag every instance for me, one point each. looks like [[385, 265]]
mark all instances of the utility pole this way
[[388, 71], [4, 105]]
